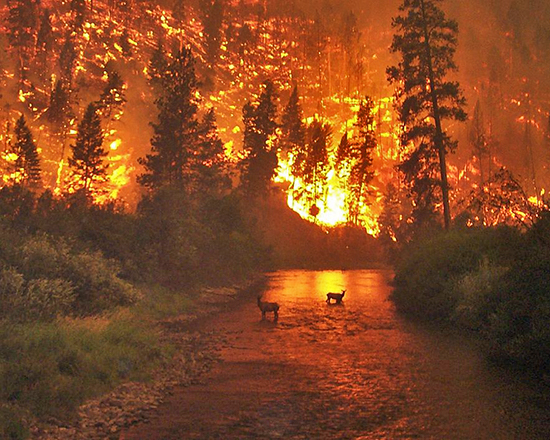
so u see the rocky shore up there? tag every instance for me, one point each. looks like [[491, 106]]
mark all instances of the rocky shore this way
[[134, 402]]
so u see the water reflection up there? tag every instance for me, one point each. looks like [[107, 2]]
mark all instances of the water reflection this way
[[352, 371]]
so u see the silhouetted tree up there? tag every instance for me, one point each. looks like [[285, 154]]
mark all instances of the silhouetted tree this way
[[113, 97], [87, 161], [21, 24], [311, 164], [125, 43], [292, 127], [78, 7], [478, 140], [260, 125], [426, 41], [212, 20], [26, 167], [67, 59], [211, 166], [158, 66], [175, 138], [360, 158]]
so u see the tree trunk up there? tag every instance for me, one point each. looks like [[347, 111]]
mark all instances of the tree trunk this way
[[438, 130]]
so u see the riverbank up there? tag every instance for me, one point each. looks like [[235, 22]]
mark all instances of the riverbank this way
[[494, 282], [186, 355]]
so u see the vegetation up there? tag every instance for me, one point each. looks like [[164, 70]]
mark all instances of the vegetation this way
[[426, 41], [492, 281]]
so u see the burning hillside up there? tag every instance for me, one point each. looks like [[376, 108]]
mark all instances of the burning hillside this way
[[69, 53]]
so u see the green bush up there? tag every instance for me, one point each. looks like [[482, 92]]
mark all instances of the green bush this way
[[42, 277], [427, 274], [477, 295]]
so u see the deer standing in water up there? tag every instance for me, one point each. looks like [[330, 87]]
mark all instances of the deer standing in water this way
[[338, 297], [268, 307]]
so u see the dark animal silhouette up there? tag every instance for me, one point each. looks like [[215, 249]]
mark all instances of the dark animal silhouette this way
[[268, 307], [338, 297]]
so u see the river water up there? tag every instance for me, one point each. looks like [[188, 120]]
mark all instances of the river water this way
[[357, 370]]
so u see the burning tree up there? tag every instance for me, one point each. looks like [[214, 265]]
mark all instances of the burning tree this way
[[87, 160], [357, 153], [25, 168], [426, 41], [311, 163], [260, 125], [176, 133]]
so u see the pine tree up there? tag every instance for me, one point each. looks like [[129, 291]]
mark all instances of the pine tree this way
[[292, 127], [211, 165], [113, 97], [478, 140], [67, 59], [259, 118], [87, 161], [426, 41], [212, 20], [78, 7], [59, 110], [360, 153], [175, 138], [26, 167], [311, 163], [158, 66], [22, 22], [45, 37], [125, 43]]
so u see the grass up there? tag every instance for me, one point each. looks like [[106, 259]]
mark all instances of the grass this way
[[48, 369]]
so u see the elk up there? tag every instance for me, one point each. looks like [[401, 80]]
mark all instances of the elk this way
[[336, 296], [268, 307]]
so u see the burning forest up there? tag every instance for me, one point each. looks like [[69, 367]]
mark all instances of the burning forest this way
[[329, 91], [157, 154]]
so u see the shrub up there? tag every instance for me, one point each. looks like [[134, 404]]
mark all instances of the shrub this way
[[477, 295], [426, 277]]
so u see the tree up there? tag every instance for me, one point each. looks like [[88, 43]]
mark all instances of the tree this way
[[113, 97], [211, 165], [259, 118], [360, 159], [88, 155], [22, 21], [45, 38], [67, 59], [26, 167], [78, 7], [426, 41], [478, 140], [175, 138], [125, 43], [212, 20], [158, 66], [311, 163], [292, 127]]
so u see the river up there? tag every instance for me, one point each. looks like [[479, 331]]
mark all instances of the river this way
[[357, 370]]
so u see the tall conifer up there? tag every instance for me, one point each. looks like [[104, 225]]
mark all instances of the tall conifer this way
[[426, 42], [87, 161], [26, 167]]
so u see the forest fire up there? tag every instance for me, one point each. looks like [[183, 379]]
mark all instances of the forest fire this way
[[106, 40]]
